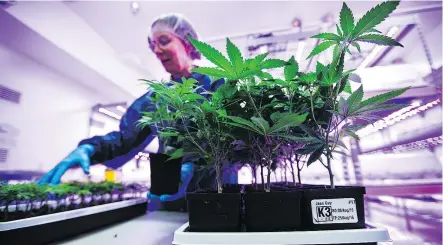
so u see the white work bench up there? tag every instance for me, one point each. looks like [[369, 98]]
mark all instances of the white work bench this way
[[153, 228], [158, 227]]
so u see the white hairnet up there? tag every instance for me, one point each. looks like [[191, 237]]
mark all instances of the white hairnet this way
[[178, 25]]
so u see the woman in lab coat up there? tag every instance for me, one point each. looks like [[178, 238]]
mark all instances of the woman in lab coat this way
[[168, 40]]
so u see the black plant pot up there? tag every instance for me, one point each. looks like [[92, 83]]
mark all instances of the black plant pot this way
[[278, 210], [165, 175], [214, 212], [333, 209]]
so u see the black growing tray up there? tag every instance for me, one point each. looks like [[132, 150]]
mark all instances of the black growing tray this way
[[58, 226]]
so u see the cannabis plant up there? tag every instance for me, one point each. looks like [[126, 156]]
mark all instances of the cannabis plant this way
[[267, 108], [275, 109], [330, 82], [191, 125]]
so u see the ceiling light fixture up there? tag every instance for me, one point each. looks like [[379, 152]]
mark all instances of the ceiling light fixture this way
[[135, 6], [109, 113], [396, 117], [121, 108], [417, 145]]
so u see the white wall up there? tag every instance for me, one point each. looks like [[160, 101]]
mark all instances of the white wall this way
[[52, 117]]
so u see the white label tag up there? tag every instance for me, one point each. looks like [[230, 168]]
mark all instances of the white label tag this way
[[334, 211]]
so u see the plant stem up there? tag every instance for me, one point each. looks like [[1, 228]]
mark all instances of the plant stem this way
[[218, 177], [268, 186], [293, 173], [331, 176], [262, 175], [253, 103], [298, 169], [312, 107], [327, 152]]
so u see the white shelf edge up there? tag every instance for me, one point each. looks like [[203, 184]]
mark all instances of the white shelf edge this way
[[49, 218], [368, 235]]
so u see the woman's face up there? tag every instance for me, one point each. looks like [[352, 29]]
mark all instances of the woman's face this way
[[172, 53]]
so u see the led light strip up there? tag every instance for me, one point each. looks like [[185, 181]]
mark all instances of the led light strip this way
[[396, 117], [421, 144], [110, 113]]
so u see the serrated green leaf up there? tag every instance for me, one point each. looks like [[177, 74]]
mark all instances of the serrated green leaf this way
[[346, 20], [321, 47], [176, 154], [349, 51], [348, 88], [213, 55], [319, 68], [335, 52], [255, 130], [291, 69], [352, 134], [253, 63], [315, 155], [247, 73], [379, 40], [357, 46], [234, 55], [309, 77], [298, 139], [264, 75], [374, 30], [336, 69], [281, 82], [244, 122], [342, 83], [374, 17], [272, 63], [168, 134], [381, 98], [354, 100], [378, 108], [261, 123], [278, 115], [338, 30], [353, 128], [328, 36], [290, 120]]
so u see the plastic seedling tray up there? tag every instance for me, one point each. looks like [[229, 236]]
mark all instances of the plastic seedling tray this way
[[54, 227], [371, 235]]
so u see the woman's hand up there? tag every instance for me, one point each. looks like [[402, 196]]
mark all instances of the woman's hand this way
[[80, 156]]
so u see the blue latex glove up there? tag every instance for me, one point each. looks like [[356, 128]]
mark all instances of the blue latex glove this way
[[187, 172], [80, 156]]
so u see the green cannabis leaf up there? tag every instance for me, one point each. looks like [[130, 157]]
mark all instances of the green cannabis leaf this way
[[382, 98], [211, 71], [321, 47], [234, 55], [374, 17], [213, 55], [357, 46], [378, 39], [338, 30], [328, 36], [291, 69], [272, 63], [346, 20]]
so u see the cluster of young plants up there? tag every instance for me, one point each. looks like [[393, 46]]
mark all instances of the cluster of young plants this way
[[31, 199], [257, 118]]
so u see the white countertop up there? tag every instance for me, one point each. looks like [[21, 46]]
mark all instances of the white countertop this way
[[154, 228]]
